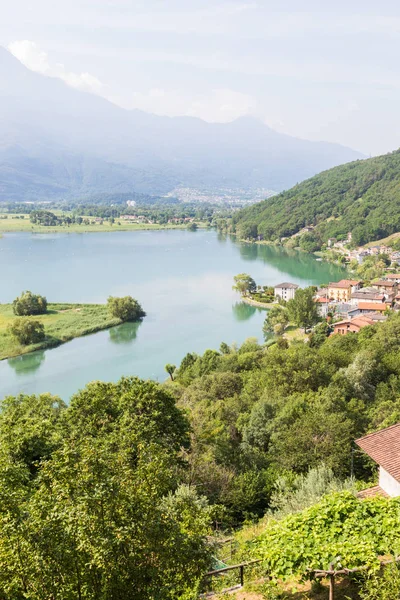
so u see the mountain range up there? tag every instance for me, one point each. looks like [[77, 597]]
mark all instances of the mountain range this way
[[57, 142]]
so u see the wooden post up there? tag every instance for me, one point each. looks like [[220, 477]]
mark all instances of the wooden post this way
[[332, 587], [241, 575]]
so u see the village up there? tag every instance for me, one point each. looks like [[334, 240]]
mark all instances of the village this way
[[349, 304]]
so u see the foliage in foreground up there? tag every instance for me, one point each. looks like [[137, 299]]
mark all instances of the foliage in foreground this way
[[90, 503], [339, 529], [384, 585], [259, 413]]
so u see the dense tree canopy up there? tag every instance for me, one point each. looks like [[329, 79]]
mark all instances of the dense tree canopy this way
[[91, 505]]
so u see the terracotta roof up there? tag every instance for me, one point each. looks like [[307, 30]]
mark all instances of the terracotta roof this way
[[372, 306], [350, 281], [340, 285], [322, 300], [362, 321], [371, 492], [359, 322], [392, 276], [384, 448], [291, 286], [384, 283]]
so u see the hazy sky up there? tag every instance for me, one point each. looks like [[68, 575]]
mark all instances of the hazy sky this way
[[313, 69]]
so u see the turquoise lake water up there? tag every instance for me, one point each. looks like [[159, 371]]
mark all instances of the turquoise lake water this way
[[182, 279]]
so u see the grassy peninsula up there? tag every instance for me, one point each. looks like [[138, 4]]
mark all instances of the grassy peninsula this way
[[62, 322], [21, 222]]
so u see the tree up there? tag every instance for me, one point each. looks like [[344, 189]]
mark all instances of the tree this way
[[192, 227], [103, 515], [125, 309], [170, 370], [320, 334], [29, 304], [302, 309], [27, 331], [276, 321], [244, 284]]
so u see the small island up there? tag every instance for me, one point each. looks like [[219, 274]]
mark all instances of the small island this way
[[30, 323]]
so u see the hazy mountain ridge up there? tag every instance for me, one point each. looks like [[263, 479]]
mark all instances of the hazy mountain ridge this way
[[56, 141], [361, 197]]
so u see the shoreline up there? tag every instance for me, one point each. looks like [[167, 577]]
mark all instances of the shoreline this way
[[94, 229], [258, 304]]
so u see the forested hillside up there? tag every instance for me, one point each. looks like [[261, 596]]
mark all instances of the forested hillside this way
[[362, 197]]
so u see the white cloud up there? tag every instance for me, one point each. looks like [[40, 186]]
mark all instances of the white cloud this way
[[37, 60]]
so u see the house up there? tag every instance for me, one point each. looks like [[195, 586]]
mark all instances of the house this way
[[351, 325], [384, 448], [285, 290], [387, 287], [341, 291], [323, 306], [366, 307], [365, 295], [395, 277]]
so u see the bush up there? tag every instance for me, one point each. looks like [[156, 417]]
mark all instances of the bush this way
[[28, 304], [125, 309], [27, 331]]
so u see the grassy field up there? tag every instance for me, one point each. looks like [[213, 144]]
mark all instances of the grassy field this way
[[62, 322], [12, 223]]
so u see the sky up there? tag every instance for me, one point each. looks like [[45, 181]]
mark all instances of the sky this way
[[311, 69]]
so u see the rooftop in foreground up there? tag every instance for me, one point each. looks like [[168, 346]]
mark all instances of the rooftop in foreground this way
[[384, 448]]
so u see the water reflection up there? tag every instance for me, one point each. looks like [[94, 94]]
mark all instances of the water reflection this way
[[222, 236], [27, 363], [242, 311], [125, 333], [295, 263]]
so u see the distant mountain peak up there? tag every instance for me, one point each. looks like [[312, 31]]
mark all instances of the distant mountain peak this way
[[54, 125]]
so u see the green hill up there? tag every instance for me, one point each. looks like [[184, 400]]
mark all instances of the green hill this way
[[362, 197]]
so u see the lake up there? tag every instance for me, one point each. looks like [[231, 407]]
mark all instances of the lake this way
[[182, 279]]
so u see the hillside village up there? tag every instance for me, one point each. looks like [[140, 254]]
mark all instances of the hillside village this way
[[345, 251], [349, 303]]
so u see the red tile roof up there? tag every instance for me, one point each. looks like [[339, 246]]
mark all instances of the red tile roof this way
[[372, 306], [322, 300], [362, 321], [384, 448], [371, 492], [343, 283], [383, 283]]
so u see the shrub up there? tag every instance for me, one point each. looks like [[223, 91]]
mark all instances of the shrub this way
[[27, 331], [28, 304], [125, 309]]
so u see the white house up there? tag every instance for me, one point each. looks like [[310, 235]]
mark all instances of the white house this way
[[323, 306], [384, 448], [285, 291]]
